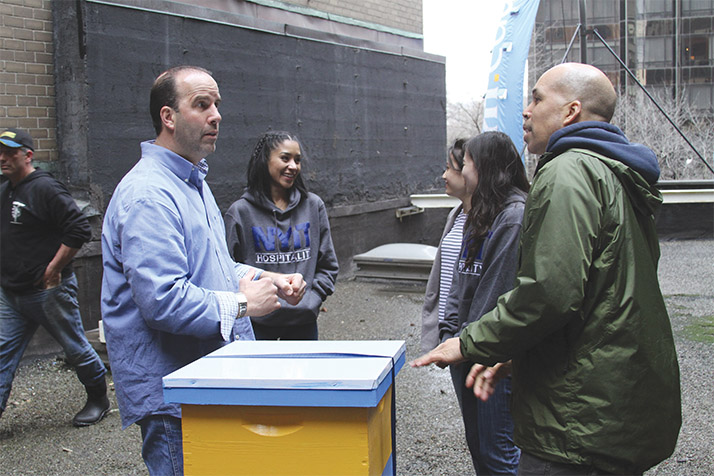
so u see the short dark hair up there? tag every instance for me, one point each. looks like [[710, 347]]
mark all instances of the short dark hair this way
[[163, 93], [258, 175]]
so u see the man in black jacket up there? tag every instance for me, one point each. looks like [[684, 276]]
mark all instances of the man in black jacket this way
[[41, 229]]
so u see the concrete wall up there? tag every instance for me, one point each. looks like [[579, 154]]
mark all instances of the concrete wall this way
[[372, 121], [686, 221], [687, 211]]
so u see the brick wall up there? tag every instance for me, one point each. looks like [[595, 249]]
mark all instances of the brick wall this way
[[27, 93], [401, 14]]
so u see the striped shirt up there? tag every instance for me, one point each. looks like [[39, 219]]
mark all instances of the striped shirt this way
[[450, 249]]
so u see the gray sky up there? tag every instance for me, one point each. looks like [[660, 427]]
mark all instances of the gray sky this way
[[464, 32]]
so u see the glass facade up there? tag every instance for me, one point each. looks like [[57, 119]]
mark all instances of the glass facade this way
[[668, 44]]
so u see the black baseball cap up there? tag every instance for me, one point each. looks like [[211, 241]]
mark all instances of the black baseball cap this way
[[16, 138]]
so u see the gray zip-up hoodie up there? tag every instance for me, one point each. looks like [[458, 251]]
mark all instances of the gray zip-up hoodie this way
[[294, 240], [476, 288]]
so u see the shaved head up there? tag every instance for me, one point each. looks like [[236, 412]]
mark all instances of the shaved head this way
[[588, 85], [566, 94]]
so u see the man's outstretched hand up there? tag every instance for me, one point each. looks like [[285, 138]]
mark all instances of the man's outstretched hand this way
[[447, 353]]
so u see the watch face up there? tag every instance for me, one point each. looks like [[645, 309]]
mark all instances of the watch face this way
[[242, 304]]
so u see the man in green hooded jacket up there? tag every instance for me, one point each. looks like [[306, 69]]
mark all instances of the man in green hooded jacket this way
[[595, 373]]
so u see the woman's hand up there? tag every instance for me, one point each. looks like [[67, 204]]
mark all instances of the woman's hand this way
[[291, 287]]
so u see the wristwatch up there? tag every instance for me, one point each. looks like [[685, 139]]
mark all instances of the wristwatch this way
[[242, 304]]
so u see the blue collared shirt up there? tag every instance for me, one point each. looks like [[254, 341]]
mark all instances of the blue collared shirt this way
[[168, 278]]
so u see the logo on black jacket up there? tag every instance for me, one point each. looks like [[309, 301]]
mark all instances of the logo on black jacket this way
[[16, 212]]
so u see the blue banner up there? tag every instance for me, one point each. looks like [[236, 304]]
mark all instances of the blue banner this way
[[503, 107]]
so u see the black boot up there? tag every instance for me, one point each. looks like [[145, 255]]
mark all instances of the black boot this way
[[96, 408]]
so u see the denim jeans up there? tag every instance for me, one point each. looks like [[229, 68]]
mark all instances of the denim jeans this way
[[532, 466], [55, 309], [488, 425], [162, 447], [303, 332]]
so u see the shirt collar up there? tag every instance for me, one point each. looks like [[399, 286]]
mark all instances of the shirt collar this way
[[182, 168]]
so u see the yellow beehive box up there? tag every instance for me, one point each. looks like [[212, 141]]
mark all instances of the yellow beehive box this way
[[289, 408]]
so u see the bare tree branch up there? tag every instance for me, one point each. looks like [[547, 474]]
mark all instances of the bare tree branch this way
[[463, 119], [642, 122]]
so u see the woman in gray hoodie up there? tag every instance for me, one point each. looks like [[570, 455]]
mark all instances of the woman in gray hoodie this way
[[495, 176], [277, 225]]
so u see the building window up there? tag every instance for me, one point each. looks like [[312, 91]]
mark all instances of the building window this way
[[601, 58], [657, 52], [695, 50], [659, 77], [658, 9], [696, 25], [690, 7], [602, 11], [659, 28], [565, 10], [608, 32], [554, 34], [700, 95], [697, 75]]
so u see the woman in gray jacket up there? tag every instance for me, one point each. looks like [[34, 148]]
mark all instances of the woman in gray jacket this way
[[277, 225], [495, 176]]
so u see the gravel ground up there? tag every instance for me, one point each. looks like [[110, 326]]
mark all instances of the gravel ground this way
[[36, 436]]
